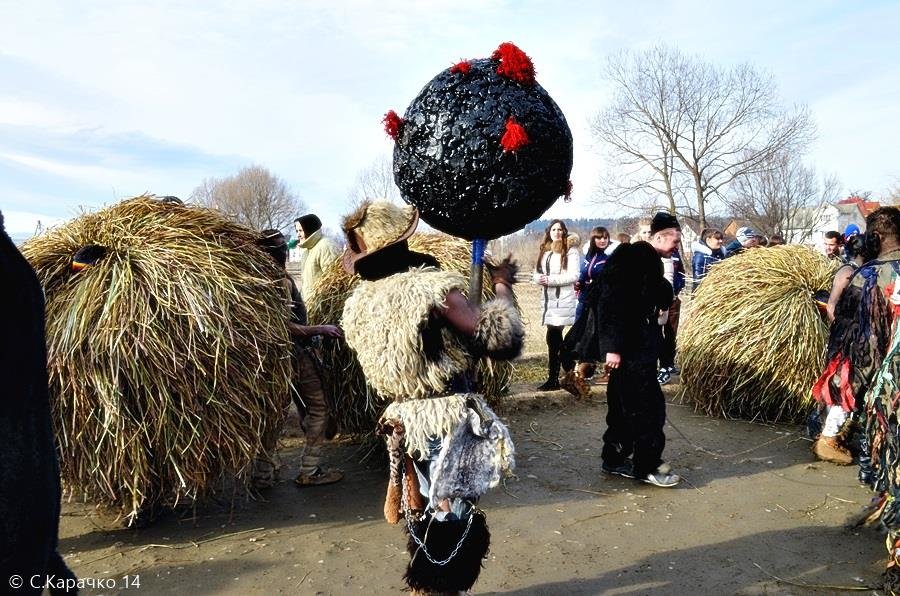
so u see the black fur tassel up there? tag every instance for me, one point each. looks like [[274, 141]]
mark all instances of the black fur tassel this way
[[462, 571]]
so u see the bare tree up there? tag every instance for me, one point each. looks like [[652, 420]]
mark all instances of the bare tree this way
[[686, 129], [254, 197], [783, 196], [376, 182]]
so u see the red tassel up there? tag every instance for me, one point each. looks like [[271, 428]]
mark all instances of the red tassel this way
[[515, 136], [392, 124], [461, 67], [567, 196], [514, 63]]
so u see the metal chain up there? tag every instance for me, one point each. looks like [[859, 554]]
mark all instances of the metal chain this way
[[424, 549]]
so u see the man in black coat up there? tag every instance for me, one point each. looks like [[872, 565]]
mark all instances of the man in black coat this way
[[633, 291], [29, 472]]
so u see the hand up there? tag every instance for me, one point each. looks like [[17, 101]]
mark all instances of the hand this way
[[544, 280], [503, 272], [613, 360], [330, 331]]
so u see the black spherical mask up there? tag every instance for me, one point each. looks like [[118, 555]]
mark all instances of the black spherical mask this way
[[483, 149]]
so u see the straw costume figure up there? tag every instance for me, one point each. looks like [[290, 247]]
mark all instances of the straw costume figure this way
[[480, 152], [168, 352]]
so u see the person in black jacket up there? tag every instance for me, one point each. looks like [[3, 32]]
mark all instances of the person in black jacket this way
[[633, 292], [29, 470]]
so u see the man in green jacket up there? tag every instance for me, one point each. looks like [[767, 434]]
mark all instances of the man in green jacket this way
[[318, 254]]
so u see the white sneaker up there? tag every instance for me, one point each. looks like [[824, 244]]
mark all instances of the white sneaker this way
[[662, 477]]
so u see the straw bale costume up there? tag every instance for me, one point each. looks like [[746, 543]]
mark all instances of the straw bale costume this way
[[446, 446]]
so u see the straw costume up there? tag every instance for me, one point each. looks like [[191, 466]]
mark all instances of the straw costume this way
[[167, 351], [446, 446]]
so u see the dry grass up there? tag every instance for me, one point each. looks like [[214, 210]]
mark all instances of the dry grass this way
[[752, 342], [169, 360]]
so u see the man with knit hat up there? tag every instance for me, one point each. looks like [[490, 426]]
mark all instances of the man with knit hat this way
[[633, 292], [745, 238], [319, 252]]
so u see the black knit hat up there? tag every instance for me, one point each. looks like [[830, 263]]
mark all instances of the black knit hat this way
[[663, 221], [309, 223]]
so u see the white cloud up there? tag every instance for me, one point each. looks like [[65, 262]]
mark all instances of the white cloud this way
[[300, 87], [26, 223]]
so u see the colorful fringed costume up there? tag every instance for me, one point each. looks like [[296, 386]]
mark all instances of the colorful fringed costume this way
[[876, 360], [446, 446]]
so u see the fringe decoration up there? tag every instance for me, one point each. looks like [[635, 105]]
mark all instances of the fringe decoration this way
[[514, 63], [396, 457], [515, 136], [462, 68], [392, 124]]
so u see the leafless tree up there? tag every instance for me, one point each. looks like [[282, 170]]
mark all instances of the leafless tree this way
[[254, 197], [685, 129], [376, 182], [783, 196]]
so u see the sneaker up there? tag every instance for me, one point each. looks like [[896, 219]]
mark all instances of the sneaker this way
[[319, 477], [549, 385], [576, 385], [602, 379], [829, 449], [663, 376], [662, 477], [624, 469]]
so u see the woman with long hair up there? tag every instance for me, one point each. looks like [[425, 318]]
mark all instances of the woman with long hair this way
[[556, 271]]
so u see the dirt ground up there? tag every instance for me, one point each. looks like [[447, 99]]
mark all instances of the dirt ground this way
[[754, 505]]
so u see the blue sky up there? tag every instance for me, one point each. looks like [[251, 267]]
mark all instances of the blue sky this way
[[100, 101]]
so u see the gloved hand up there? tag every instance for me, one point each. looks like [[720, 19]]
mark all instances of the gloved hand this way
[[503, 272]]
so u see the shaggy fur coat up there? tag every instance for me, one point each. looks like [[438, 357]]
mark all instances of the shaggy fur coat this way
[[404, 349]]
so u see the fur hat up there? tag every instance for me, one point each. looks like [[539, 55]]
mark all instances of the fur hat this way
[[375, 225]]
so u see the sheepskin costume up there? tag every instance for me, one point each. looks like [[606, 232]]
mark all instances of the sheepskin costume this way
[[446, 446]]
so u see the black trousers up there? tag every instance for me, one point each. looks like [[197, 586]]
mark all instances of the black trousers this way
[[635, 417], [554, 343], [670, 333]]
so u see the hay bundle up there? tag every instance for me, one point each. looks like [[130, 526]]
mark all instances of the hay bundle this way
[[357, 405], [753, 342], [169, 360]]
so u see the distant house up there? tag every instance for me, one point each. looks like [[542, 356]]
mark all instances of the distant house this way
[[688, 236], [822, 219]]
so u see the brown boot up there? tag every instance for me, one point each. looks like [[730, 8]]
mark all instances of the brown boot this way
[[576, 385], [829, 449]]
